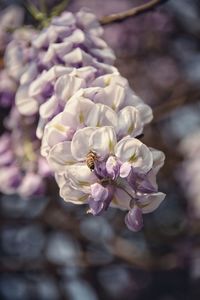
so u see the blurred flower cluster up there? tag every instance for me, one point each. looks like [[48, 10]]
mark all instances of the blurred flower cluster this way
[[22, 166], [189, 171], [62, 88]]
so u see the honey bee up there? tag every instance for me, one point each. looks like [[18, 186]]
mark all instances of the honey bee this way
[[90, 160]]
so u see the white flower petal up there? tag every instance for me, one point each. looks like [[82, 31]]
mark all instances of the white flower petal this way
[[48, 108], [67, 85], [136, 153], [96, 94], [112, 91], [72, 195], [107, 55], [77, 109], [30, 184], [125, 169], [80, 143], [121, 199], [25, 104], [150, 202], [103, 141], [158, 159], [30, 73], [56, 50], [101, 115], [81, 177], [74, 56], [40, 128], [132, 99], [115, 95], [60, 132], [129, 122], [111, 79], [60, 156], [55, 135], [76, 37], [146, 113], [87, 73]]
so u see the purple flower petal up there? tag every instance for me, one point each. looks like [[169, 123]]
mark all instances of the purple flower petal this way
[[125, 169], [98, 192], [103, 198], [113, 167], [133, 219]]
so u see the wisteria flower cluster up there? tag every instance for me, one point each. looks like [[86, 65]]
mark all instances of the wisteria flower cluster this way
[[93, 148], [23, 169], [89, 121], [70, 50], [21, 165]]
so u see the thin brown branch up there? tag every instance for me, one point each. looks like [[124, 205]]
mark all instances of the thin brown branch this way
[[130, 13], [164, 109]]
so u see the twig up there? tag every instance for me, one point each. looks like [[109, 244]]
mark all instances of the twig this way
[[131, 12], [56, 11], [163, 110]]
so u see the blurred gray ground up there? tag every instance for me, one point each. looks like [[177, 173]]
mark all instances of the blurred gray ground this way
[[51, 250]]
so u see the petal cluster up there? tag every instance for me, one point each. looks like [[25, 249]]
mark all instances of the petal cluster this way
[[69, 95], [8, 88], [90, 121], [16, 59], [22, 168], [70, 49], [92, 147]]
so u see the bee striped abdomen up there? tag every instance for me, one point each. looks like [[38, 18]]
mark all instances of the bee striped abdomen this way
[[90, 160]]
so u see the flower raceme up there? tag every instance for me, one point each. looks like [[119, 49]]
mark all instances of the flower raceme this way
[[23, 170], [18, 54], [109, 102], [89, 121], [89, 118], [124, 169], [123, 176], [71, 42]]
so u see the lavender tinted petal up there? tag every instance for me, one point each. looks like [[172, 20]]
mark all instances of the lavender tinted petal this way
[[133, 219]]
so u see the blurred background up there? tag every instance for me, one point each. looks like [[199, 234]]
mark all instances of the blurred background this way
[[51, 250]]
